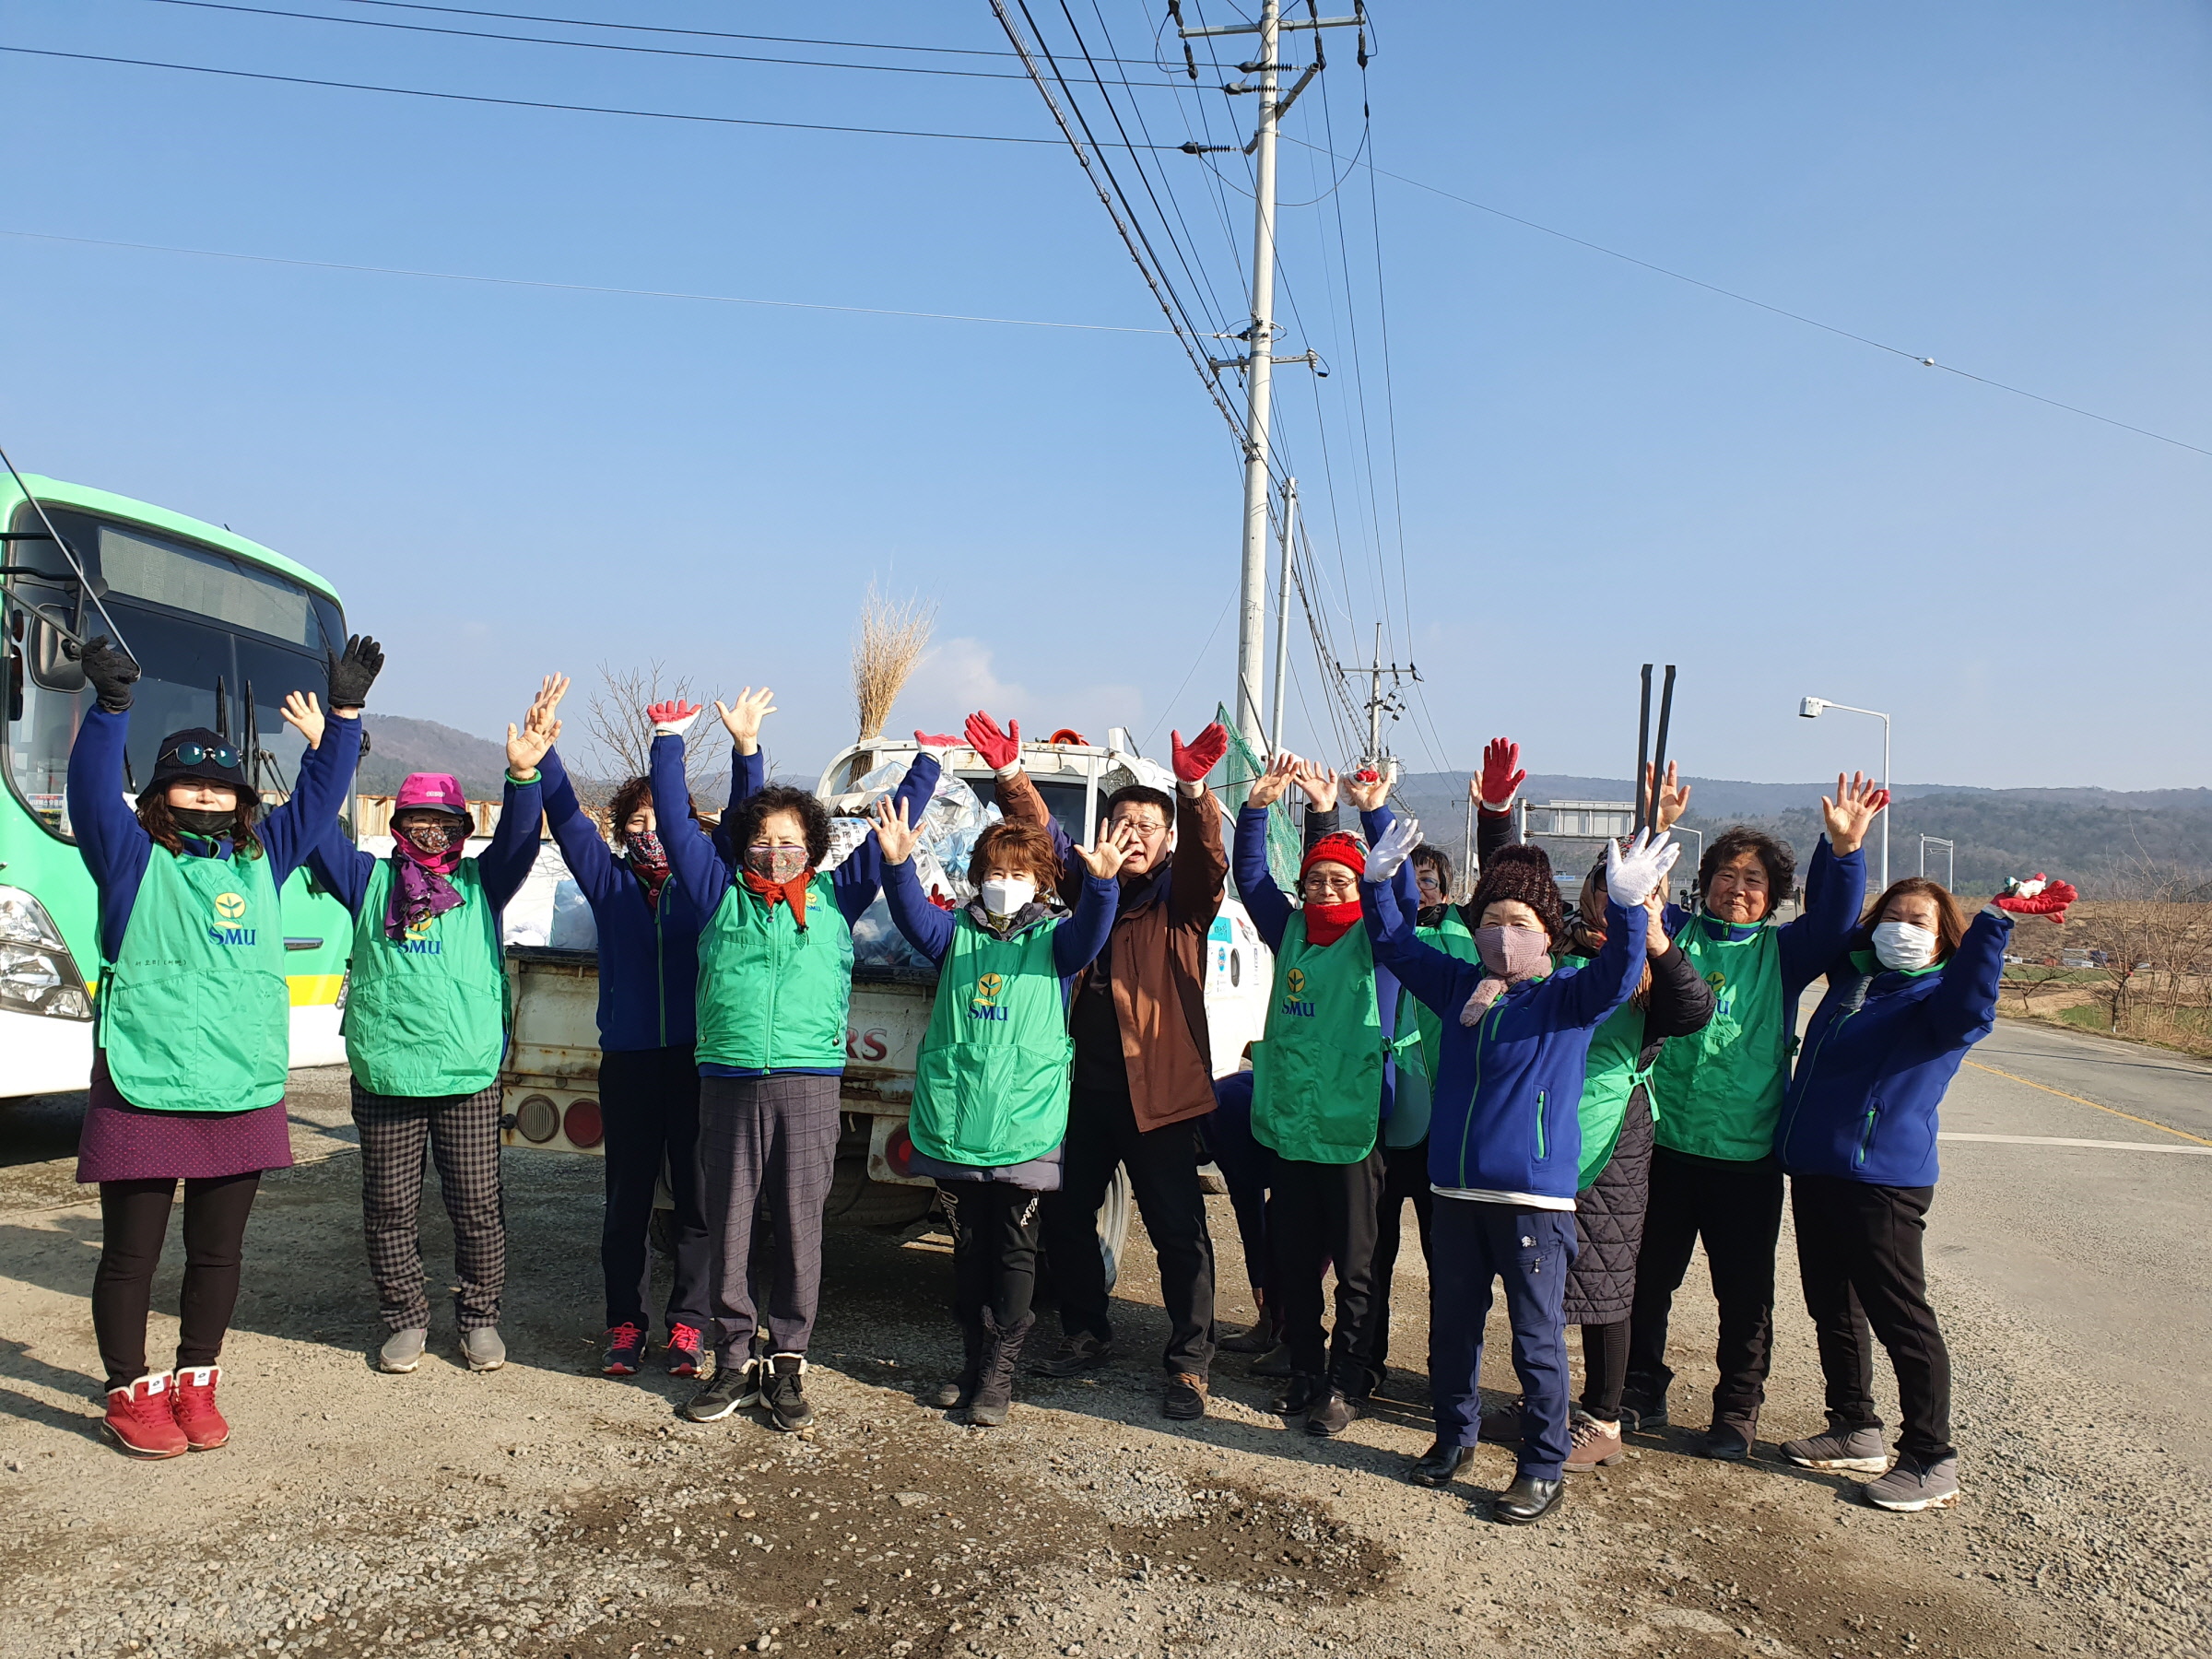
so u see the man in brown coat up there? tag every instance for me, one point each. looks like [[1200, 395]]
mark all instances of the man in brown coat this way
[[1143, 1065]]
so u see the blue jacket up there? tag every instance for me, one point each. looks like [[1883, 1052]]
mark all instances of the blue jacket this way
[[648, 951], [1507, 1090], [1882, 1049]]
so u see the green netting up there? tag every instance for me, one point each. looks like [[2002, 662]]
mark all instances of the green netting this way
[[1285, 836]]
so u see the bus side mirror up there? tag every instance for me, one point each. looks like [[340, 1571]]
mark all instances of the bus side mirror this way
[[51, 666]]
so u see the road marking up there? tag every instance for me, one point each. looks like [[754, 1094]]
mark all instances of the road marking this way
[[2062, 1094], [2052, 1140]]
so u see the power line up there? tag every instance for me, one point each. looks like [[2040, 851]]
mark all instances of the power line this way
[[580, 287]]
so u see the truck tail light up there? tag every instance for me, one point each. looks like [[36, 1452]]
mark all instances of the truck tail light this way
[[538, 1119], [581, 1123]]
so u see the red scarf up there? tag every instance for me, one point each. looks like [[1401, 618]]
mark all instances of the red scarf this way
[[1325, 923], [792, 892]]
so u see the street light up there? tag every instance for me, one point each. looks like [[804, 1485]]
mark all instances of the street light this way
[[1812, 707]]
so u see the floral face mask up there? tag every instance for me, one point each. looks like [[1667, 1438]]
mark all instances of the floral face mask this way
[[774, 863]]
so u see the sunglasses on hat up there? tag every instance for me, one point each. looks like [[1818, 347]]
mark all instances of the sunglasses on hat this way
[[195, 754]]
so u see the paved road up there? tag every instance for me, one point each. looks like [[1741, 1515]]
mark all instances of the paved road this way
[[2106, 1250]]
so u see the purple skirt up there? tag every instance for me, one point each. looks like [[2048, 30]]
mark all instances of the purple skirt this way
[[122, 1142]]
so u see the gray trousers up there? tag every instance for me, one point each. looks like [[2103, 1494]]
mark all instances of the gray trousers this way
[[766, 1149], [461, 1134]]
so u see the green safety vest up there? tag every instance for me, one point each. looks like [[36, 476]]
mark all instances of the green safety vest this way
[[991, 1080], [1317, 1073], [772, 996], [1724, 1086], [426, 1014], [1610, 1079], [195, 1011]]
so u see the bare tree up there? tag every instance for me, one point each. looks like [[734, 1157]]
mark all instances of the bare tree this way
[[893, 635], [621, 735]]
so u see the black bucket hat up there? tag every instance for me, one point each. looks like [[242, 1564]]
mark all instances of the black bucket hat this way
[[207, 750]]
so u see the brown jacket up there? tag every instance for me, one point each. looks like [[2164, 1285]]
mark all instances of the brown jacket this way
[[1157, 955]]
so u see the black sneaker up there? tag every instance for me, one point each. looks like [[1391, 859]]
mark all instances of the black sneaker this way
[[785, 1394], [730, 1387], [1330, 1415], [1641, 1413], [1078, 1353]]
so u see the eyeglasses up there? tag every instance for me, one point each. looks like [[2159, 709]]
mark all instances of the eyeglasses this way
[[194, 754]]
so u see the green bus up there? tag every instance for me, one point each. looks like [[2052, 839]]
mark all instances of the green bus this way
[[222, 629]]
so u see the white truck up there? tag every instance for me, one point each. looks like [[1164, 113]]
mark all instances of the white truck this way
[[552, 1068]]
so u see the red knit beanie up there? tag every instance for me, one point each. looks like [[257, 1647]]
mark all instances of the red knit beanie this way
[[1521, 871], [1338, 848]]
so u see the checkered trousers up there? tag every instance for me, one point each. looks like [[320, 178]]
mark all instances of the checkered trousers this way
[[461, 1134]]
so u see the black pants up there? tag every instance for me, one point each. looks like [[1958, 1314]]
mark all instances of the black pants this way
[[649, 1102], [1163, 1168], [1737, 1208], [1604, 1368], [1405, 1177], [1320, 1213], [1859, 1259], [134, 1220], [994, 1239]]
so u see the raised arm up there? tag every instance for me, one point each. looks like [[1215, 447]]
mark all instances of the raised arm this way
[[1441, 983], [1083, 935], [319, 792], [1609, 978], [1264, 901], [1199, 863], [693, 863], [1681, 1002], [597, 873], [928, 929], [1963, 1009], [109, 839], [1835, 892], [860, 877]]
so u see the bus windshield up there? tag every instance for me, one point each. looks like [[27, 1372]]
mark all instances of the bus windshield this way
[[195, 618]]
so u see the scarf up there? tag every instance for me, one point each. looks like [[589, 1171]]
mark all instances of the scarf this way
[[772, 893], [649, 864], [1325, 923], [420, 890], [1510, 956]]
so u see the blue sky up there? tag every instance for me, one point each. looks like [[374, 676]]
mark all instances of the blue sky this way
[[1595, 464]]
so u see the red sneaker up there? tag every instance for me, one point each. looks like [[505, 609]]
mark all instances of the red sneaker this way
[[625, 1351], [193, 1397], [686, 1353], [141, 1420]]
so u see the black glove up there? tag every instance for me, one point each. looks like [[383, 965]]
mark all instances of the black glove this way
[[352, 674], [110, 669]]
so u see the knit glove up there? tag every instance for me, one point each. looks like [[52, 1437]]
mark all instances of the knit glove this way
[[1001, 750], [1630, 877], [354, 671], [2038, 896], [1201, 754], [1390, 852], [671, 719], [111, 671], [1502, 774]]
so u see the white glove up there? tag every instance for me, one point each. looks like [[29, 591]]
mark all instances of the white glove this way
[[2016, 889], [1396, 845], [675, 728], [1630, 878]]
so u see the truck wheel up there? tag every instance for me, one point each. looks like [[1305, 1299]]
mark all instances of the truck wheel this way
[[1113, 1223]]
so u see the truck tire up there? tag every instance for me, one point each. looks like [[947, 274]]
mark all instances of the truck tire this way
[[1113, 1223]]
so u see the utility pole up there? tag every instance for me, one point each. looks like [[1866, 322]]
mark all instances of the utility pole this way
[[1282, 614], [1259, 359], [1378, 702]]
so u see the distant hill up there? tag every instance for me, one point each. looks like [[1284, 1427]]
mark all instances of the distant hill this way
[[2090, 836], [398, 746]]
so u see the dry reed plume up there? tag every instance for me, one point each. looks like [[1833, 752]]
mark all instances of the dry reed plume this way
[[893, 635]]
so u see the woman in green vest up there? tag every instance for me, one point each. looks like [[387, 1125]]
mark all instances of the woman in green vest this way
[[990, 1108], [426, 1030], [194, 1023]]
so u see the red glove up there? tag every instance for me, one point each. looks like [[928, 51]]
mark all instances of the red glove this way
[[1502, 774], [935, 739], [999, 750], [671, 719], [2051, 899], [1201, 754]]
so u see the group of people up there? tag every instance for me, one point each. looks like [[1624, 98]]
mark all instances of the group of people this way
[[1571, 1095]]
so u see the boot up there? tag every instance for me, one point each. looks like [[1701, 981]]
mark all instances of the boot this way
[[142, 1420], [191, 1397], [995, 1382], [959, 1394]]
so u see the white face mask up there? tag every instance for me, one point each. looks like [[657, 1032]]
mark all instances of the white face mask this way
[[1005, 895], [1900, 944]]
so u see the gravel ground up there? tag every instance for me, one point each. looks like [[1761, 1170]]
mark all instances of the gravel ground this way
[[543, 1510]]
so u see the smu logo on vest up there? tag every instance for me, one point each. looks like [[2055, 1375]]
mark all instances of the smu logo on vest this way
[[983, 1005], [1294, 1003], [229, 911], [419, 941], [1724, 999]]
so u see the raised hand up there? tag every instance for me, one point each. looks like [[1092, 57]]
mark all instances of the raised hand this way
[[671, 719], [111, 672], [1631, 878], [540, 727], [1857, 799], [1280, 772], [1389, 853], [999, 750], [302, 713], [742, 719], [1194, 759], [1673, 799], [2038, 896], [1318, 782], [893, 833], [1103, 858], [1502, 775], [1656, 942], [352, 672], [1369, 788], [935, 740]]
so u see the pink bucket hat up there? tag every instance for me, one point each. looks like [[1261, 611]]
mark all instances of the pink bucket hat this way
[[440, 792]]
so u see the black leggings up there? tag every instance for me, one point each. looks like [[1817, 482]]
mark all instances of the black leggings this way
[[134, 1220], [1604, 1368], [994, 1235]]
